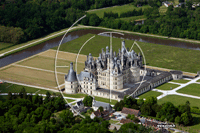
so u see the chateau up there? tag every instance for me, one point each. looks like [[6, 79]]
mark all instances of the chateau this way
[[114, 75]]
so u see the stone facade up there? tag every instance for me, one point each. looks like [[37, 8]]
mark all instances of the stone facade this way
[[114, 75]]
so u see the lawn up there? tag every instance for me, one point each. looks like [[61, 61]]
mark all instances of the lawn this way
[[113, 122], [167, 86], [31, 76], [116, 9], [195, 128], [198, 80], [5, 45], [191, 89], [133, 18], [156, 55], [150, 94], [177, 100], [7, 87], [182, 81], [113, 102], [80, 95], [162, 10]]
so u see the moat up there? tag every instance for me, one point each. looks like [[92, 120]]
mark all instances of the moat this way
[[75, 34]]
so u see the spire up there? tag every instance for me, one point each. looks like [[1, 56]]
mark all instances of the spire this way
[[71, 77]]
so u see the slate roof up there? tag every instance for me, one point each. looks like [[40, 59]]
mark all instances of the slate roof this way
[[176, 72], [79, 103], [84, 74], [71, 77], [106, 106], [130, 111], [159, 77]]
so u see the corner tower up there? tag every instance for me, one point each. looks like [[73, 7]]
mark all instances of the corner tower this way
[[71, 82]]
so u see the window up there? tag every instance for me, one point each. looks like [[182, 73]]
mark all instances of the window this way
[[71, 86]]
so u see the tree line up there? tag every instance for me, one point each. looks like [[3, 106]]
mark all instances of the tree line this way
[[124, 14], [165, 112], [178, 22], [28, 113], [11, 34]]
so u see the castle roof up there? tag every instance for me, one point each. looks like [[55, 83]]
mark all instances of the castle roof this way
[[84, 74], [71, 77]]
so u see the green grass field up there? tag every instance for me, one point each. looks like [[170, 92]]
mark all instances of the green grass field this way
[[128, 19], [7, 87], [156, 55], [116, 9], [113, 102], [167, 86], [195, 128], [182, 81], [192, 89], [150, 94], [198, 80], [162, 10], [178, 100], [5, 45]]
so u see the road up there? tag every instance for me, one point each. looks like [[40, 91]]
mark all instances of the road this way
[[173, 92]]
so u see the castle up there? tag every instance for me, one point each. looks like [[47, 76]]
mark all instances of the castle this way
[[114, 75]]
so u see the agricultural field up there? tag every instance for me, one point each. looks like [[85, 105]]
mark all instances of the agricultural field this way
[[150, 94], [156, 55], [192, 89], [128, 19], [116, 9], [167, 86], [178, 100], [39, 70], [182, 81], [5, 45]]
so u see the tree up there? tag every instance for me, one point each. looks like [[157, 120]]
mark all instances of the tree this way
[[100, 109], [46, 114], [67, 118], [94, 20], [186, 118], [88, 101], [178, 120], [151, 100], [169, 111]]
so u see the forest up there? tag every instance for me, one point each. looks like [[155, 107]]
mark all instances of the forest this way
[[25, 20], [165, 112], [183, 22], [28, 113]]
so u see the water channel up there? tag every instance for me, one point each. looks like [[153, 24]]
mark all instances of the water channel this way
[[75, 34]]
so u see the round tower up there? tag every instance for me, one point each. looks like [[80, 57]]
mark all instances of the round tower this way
[[71, 82]]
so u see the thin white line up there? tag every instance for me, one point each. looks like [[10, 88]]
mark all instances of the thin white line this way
[[144, 68], [34, 68], [111, 33], [56, 63], [77, 59], [131, 47], [62, 66]]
